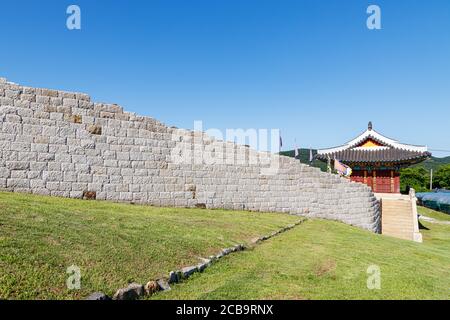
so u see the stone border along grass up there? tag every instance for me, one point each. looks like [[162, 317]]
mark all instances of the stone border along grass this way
[[135, 290]]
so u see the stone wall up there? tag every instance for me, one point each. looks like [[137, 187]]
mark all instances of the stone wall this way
[[63, 144]]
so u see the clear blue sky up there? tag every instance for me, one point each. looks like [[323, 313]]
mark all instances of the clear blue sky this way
[[310, 68]]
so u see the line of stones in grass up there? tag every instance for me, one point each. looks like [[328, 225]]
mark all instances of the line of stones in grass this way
[[135, 290]]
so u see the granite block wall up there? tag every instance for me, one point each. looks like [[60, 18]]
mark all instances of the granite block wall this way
[[62, 144]]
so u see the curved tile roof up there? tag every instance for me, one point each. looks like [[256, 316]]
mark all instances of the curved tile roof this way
[[373, 135], [381, 155], [390, 150]]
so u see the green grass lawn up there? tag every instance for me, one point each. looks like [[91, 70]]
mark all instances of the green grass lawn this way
[[112, 244], [433, 214], [328, 260]]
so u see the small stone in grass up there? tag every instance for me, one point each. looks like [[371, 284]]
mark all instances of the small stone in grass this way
[[188, 271], [202, 266], [132, 292], [151, 287], [173, 277], [226, 251], [98, 296], [220, 255], [163, 284]]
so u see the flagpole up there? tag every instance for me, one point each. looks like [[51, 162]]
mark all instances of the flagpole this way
[[280, 144]]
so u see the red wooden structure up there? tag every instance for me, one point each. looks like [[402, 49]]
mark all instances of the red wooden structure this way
[[381, 181], [375, 159]]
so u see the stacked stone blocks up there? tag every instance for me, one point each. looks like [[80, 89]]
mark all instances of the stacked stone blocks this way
[[62, 144]]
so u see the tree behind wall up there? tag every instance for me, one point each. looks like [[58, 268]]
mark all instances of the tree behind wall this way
[[417, 178], [442, 178]]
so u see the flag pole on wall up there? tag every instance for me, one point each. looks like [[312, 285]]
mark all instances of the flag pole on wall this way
[[281, 143]]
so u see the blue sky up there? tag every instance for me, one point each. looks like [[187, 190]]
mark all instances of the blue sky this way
[[309, 68]]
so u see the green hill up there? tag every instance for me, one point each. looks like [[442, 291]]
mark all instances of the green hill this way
[[433, 163], [304, 158]]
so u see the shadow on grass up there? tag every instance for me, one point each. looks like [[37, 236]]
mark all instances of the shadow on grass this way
[[422, 227]]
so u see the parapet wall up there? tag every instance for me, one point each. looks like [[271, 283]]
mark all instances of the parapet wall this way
[[62, 144]]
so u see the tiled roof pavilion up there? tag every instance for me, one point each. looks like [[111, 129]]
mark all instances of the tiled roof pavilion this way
[[372, 147]]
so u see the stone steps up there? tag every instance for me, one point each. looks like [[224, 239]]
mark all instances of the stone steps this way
[[398, 219]]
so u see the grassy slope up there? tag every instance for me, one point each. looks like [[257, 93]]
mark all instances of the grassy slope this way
[[113, 244], [434, 214], [328, 260]]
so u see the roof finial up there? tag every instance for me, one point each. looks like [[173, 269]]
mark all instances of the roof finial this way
[[370, 125]]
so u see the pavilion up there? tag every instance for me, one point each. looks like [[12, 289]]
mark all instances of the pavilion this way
[[376, 160]]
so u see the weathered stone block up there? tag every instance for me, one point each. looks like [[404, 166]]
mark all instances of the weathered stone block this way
[[132, 292], [188, 271], [17, 165], [89, 195], [99, 296], [69, 102], [17, 183], [163, 285], [4, 172], [95, 129]]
